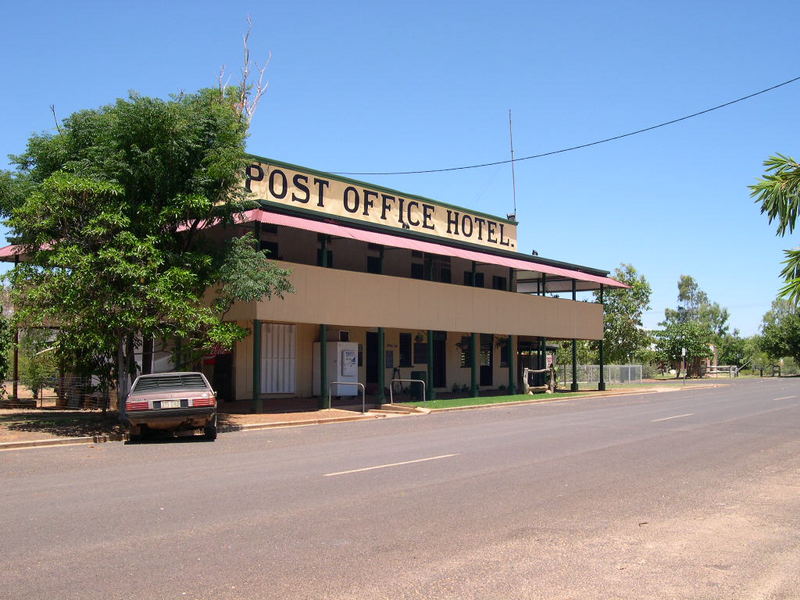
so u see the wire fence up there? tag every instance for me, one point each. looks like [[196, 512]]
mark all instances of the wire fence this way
[[58, 392], [591, 374]]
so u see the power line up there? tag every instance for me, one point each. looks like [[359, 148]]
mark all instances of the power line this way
[[571, 148]]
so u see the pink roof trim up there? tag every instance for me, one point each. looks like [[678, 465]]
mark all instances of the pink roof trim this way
[[8, 251], [422, 246]]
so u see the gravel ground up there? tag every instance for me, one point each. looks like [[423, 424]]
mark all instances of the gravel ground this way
[[20, 425]]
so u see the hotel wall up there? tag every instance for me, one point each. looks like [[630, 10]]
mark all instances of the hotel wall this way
[[308, 334]]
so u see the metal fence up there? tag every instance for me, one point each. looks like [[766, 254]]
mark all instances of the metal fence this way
[[729, 371], [59, 392], [591, 374]]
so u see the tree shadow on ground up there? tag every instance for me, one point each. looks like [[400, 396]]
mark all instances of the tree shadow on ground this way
[[63, 423], [225, 423]]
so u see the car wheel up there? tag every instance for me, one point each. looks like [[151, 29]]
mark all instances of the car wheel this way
[[135, 434], [210, 430]]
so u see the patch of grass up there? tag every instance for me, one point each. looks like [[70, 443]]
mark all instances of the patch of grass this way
[[455, 402]]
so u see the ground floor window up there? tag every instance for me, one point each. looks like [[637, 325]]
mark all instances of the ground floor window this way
[[505, 351], [405, 350], [465, 352], [486, 359], [420, 353]]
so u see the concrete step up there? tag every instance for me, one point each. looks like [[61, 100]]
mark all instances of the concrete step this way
[[403, 410], [385, 414]]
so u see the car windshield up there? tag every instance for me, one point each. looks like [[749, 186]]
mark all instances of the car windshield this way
[[170, 383]]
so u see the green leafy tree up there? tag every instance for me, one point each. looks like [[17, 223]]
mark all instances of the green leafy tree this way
[[6, 347], [759, 360], [778, 192], [111, 210], [695, 320], [38, 368], [780, 331], [715, 318], [691, 336], [695, 306], [586, 353], [734, 350], [690, 301], [623, 308]]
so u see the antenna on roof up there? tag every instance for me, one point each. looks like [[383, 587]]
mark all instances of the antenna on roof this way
[[513, 215]]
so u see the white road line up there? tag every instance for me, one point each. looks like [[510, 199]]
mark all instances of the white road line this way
[[784, 398], [407, 462], [48, 446], [675, 417]]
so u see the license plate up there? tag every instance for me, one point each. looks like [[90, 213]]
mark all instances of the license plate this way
[[170, 404]]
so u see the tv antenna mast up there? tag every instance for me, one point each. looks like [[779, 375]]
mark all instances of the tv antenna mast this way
[[513, 215]]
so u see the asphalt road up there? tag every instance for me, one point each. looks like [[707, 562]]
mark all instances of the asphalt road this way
[[691, 494]]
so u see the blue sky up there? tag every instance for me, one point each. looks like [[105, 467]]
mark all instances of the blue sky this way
[[389, 86]]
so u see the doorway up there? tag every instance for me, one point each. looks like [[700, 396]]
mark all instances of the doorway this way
[[371, 373], [222, 377], [440, 359]]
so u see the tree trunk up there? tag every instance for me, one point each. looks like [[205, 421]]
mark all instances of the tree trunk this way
[[147, 354], [130, 352], [123, 380]]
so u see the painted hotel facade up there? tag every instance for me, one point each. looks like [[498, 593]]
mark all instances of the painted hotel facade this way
[[414, 288]]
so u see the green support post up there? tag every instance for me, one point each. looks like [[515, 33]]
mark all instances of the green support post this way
[[381, 365], [574, 386], [429, 393], [602, 384], [323, 367], [323, 338], [512, 364], [258, 403], [473, 344]]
